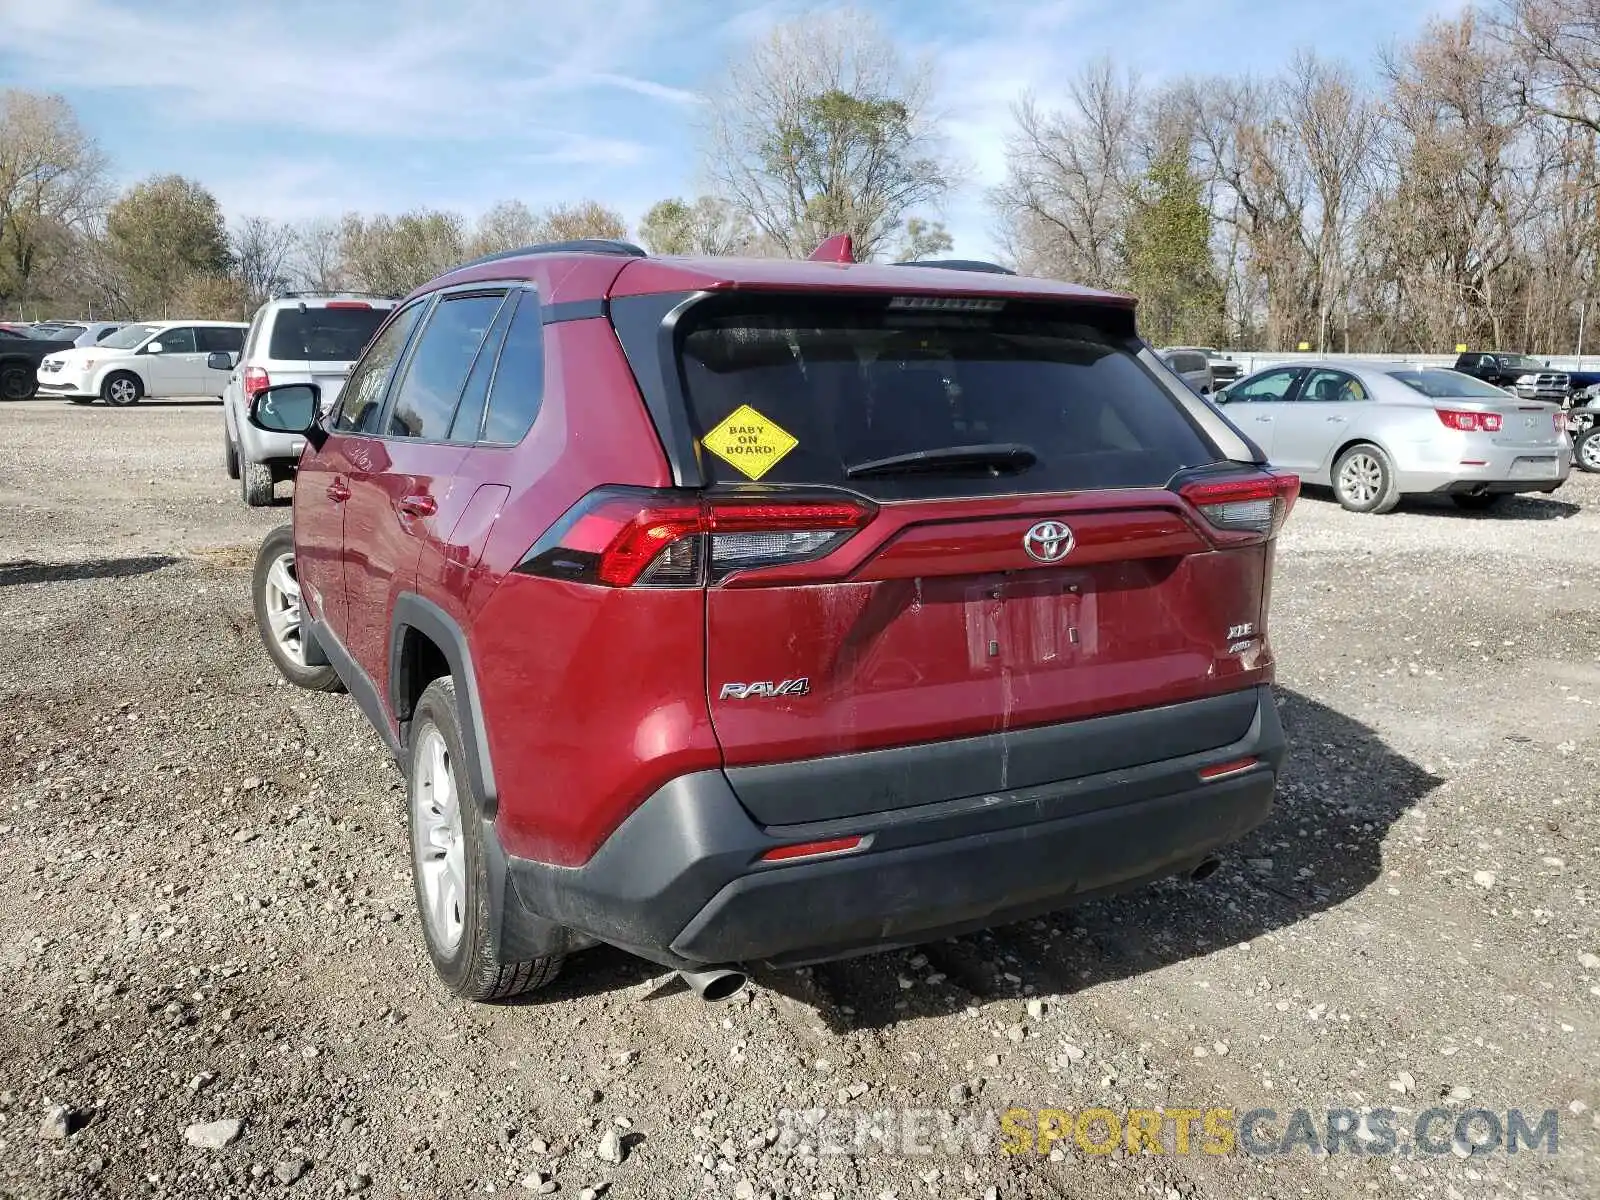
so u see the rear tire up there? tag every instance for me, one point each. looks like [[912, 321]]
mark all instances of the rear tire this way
[[121, 389], [17, 382], [1363, 480], [1586, 451], [1482, 502], [280, 614], [449, 863], [230, 453], [255, 484]]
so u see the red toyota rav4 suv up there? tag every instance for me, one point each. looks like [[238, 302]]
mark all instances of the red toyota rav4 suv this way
[[750, 611]]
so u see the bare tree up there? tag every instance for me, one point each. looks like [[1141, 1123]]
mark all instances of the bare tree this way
[[585, 219], [1071, 177], [262, 249], [392, 255], [822, 128], [52, 186], [317, 263], [1557, 45], [506, 226]]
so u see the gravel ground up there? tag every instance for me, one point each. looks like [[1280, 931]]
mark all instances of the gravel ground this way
[[213, 983]]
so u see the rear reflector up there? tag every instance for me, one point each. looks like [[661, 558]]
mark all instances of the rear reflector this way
[[634, 537], [1223, 770], [1251, 504], [1465, 421], [811, 849]]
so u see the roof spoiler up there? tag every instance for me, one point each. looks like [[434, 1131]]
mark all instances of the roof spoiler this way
[[958, 264]]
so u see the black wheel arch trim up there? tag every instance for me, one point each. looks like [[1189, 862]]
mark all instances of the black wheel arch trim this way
[[414, 612]]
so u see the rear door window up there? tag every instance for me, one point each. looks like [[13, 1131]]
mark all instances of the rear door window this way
[[328, 333], [361, 401], [836, 385], [425, 403]]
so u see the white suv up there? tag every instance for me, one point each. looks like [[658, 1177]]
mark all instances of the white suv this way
[[152, 358], [302, 337]]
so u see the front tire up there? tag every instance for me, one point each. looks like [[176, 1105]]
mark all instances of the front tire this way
[[1364, 481], [121, 389], [1586, 450], [280, 614], [17, 382], [449, 863], [255, 484]]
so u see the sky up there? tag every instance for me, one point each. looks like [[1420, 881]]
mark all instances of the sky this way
[[301, 108]]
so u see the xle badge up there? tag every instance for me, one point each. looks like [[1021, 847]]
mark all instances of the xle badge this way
[[749, 443]]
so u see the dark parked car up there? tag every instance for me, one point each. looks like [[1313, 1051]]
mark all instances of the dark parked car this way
[[20, 356], [735, 611], [1520, 374]]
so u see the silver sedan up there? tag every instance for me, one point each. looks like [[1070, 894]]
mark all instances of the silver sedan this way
[[1375, 432]]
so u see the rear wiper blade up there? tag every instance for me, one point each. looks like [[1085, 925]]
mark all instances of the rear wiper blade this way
[[999, 456]]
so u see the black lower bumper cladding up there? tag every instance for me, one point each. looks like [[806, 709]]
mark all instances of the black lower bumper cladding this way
[[681, 881]]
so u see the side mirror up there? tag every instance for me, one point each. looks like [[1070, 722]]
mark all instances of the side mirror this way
[[1220, 396], [287, 408], [152, 348], [222, 360]]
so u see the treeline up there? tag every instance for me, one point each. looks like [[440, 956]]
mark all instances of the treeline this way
[[1451, 198]]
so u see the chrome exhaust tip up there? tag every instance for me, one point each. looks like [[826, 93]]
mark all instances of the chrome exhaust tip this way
[[714, 984]]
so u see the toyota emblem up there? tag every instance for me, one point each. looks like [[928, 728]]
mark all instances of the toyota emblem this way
[[1048, 542]]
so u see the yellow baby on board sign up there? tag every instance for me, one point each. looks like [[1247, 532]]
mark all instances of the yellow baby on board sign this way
[[749, 442]]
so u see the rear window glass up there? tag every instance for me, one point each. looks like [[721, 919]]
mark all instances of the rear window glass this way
[[1440, 384], [851, 384], [323, 334]]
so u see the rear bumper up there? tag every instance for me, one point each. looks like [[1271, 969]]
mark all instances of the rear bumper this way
[[1531, 469], [261, 446], [681, 881]]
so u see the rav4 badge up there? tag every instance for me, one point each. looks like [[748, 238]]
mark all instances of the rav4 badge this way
[[765, 689]]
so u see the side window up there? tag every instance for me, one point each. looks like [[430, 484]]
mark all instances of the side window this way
[[469, 413], [519, 379], [362, 399], [425, 402], [228, 340], [1272, 385], [1331, 386], [256, 327], [106, 332], [177, 341]]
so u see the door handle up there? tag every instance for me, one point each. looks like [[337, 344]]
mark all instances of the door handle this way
[[1263, 418], [338, 491], [1337, 420], [422, 505]]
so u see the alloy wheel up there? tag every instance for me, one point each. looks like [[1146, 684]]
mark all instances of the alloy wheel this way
[[1361, 479], [283, 608], [437, 840]]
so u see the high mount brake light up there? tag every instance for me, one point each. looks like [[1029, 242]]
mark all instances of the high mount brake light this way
[[627, 537], [1466, 421], [1252, 504]]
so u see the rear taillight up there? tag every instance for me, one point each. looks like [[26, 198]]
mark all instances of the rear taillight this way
[[1251, 504], [1464, 421], [256, 380], [630, 537], [1562, 424]]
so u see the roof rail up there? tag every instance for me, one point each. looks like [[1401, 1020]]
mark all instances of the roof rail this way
[[315, 294], [958, 264], [575, 246]]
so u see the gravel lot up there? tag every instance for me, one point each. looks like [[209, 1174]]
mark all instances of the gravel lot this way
[[208, 915]]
